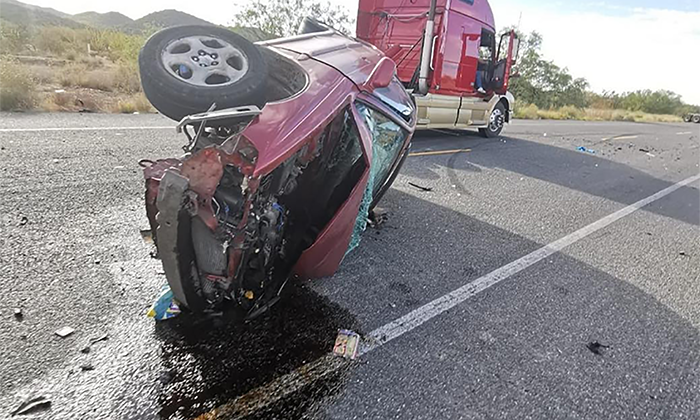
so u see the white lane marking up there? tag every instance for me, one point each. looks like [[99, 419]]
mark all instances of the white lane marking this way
[[290, 383], [39, 130], [420, 316], [684, 132]]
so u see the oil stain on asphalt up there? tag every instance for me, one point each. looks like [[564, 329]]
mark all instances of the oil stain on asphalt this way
[[211, 360]]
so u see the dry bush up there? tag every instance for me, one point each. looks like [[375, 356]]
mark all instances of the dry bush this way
[[126, 78], [17, 88], [137, 103], [99, 80], [44, 75], [531, 112], [70, 102], [526, 112]]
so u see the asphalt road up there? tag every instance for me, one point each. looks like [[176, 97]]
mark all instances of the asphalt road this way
[[71, 255]]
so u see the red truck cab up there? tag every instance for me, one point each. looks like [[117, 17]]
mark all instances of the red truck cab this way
[[466, 71]]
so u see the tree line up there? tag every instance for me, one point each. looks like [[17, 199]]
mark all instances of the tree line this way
[[548, 86]]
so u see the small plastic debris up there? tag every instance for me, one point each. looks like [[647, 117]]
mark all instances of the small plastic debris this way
[[595, 347], [18, 314], [147, 236], [165, 306], [545, 134], [87, 367], [644, 150], [584, 149], [94, 341], [23, 221], [426, 189], [377, 216], [64, 332], [683, 254], [650, 154], [32, 405], [346, 344]]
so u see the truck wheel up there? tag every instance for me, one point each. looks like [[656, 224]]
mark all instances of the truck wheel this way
[[687, 118], [696, 118], [186, 69], [496, 122]]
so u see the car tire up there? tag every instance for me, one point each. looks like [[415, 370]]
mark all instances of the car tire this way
[[236, 77], [696, 119], [497, 120]]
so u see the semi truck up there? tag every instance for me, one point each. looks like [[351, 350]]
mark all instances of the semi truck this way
[[448, 55]]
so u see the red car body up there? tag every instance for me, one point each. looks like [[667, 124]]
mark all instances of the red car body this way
[[343, 75]]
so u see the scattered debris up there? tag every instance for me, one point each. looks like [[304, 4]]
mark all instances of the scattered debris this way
[[346, 344], [119, 167], [644, 150], [147, 236], [683, 254], [426, 189], [32, 405], [18, 314], [545, 134], [650, 154], [377, 216], [166, 376], [165, 306], [583, 149], [87, 367], [23, 221], [595, 347], [59, 91], [64, 332], [94, 341]]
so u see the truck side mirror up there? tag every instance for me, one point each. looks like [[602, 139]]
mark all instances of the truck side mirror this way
[[382, 74]]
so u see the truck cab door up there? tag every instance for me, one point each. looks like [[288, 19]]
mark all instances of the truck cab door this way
[[506, 58]]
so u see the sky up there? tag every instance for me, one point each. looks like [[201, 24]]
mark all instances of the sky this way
[[619, 45]]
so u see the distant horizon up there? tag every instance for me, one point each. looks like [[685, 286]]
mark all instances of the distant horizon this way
[[620, 45]]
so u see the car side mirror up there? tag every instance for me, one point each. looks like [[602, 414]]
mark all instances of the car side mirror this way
[[382, 74]]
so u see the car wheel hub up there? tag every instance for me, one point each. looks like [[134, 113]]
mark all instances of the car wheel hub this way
[[204, 61]]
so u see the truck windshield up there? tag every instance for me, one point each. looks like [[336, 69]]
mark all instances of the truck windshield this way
[[396, 97]]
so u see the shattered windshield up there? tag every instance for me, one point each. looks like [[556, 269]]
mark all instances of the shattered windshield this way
[[387, 141], [396, 97]]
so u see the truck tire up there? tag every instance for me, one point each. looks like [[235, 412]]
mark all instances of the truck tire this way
[[186, 69], [496, 122], [687, 117], [696, 118]]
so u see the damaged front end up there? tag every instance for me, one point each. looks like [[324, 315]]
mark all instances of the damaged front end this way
[[225, 233]]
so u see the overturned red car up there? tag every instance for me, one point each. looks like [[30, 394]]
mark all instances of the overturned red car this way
[[291, 142]]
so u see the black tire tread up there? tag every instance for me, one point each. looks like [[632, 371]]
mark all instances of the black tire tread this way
[[177, 99]]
